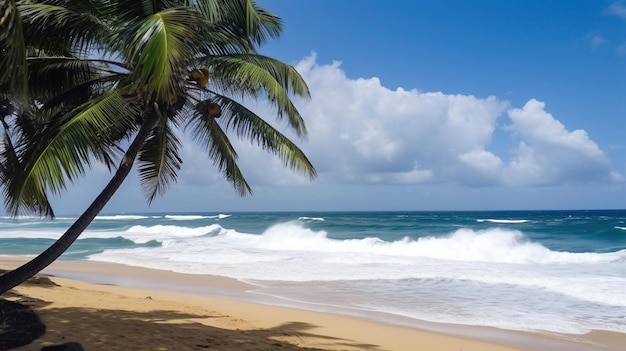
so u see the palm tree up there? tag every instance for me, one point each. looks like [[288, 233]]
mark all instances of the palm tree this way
[[120, 80]]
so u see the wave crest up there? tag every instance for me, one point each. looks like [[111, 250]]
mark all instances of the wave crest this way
[[490, 245], [503, 221]]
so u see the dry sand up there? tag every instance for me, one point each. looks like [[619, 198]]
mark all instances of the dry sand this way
[[116, 317]]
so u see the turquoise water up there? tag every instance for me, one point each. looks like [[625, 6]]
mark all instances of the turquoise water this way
[[559, 271]]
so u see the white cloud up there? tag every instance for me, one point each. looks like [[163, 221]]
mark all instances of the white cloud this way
[[364, 133], [361, 130], [535, 124], [487, 167], [550, 154], [524, 168]]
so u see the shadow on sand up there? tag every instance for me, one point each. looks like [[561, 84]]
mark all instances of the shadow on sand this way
[[105, 329]]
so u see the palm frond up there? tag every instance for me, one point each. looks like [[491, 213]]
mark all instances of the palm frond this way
[[254, 74], [210, 9], [10, 169], [67, 82], [75, 24], [79, 94], [208, 133], [7, 153], [61, 149], [261, 25], [51, 76], [247, 125], [244, 18], [129, 10], [159, 160], [162, 44], [13, 70]]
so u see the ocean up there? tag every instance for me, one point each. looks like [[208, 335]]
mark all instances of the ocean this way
[[548, 271]]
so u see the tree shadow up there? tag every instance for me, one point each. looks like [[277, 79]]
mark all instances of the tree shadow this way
[[19, 325], [164, 330]]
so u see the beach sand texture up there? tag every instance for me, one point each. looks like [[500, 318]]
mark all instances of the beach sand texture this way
[[113, 317]]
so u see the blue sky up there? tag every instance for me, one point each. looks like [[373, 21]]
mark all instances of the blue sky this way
[[432, 105]]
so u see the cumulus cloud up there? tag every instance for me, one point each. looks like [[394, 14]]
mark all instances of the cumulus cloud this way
[[556, 154], [546, 153], [361, 132]]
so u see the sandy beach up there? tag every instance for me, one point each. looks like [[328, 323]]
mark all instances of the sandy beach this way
[[116, 307]]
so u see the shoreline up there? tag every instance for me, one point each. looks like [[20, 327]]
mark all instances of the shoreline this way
[[223, 296]]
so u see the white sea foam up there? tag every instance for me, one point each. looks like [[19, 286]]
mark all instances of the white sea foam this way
[[185, 217], [194, 217], [22, 217], [141, 234], [121, 217], [492, 245], [503, 221], [290, 252], [304, 218]]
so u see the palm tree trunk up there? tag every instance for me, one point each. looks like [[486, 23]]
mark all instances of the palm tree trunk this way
[[19, 275]]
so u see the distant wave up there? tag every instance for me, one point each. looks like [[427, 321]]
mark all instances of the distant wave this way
[[22, 217], [122, 217], [142, 234], [185, 217], [503, 221], [620, 228], [194, 217], [320, 219]]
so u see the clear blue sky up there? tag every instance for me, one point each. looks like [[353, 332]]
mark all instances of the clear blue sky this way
[[433, 105]]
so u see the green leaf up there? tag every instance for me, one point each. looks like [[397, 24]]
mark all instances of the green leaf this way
[[62, 148], [161, 49], [248, 125], [254, 74], [208, 133], [9, 163], [75, 25], [13, 71], [159, 160]]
